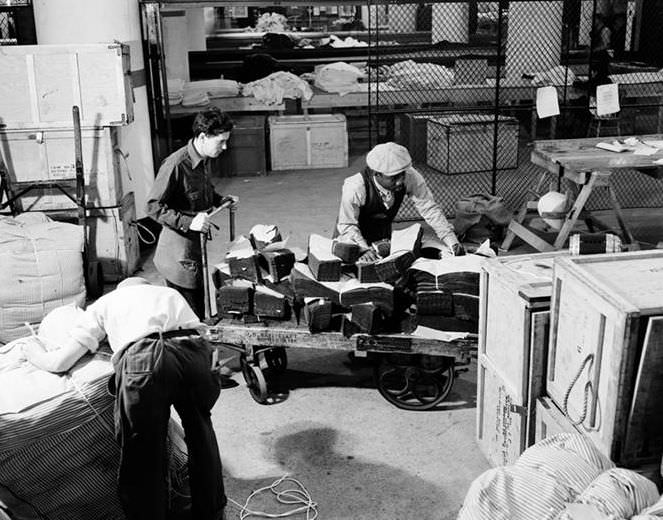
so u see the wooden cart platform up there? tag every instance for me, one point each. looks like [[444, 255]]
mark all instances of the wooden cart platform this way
[[411, 372]]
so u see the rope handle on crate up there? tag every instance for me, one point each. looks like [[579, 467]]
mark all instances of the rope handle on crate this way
[[587, 391]]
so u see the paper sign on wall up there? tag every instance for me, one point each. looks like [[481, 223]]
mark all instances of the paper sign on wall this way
[[546, 102], [607, 99]]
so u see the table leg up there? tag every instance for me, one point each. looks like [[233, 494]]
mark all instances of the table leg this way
[[576, 209]]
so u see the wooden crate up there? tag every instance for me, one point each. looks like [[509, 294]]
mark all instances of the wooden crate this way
[[514, 316], [463, 143], [605, 354], [550, 420], [113, 239], [308, 141], [49, 155], [41, 83]]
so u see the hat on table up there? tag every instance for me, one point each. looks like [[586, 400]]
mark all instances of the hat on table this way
[[389, 159]]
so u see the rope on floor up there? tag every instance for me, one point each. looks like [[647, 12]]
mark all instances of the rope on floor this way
[[296, 495]]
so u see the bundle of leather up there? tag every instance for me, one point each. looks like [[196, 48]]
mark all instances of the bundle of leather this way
[[318, 314], [368, 317], [348, 252], [235, 297], [354, 292], [325, 266], [278, 263], [268, 303], [243, 260]]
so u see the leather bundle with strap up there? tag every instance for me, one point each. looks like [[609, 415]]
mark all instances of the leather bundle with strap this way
[[481, 216]]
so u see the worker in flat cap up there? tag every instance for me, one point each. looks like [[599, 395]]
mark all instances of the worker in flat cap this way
[[371, 199]]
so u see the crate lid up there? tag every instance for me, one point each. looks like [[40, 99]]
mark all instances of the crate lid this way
[[470, 119], [634, 278], [314, 119]]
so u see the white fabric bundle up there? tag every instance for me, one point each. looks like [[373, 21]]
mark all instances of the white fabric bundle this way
[[212, 88], [338, 77], [272, 89], [411, 75], [555, 479], [42, 268]]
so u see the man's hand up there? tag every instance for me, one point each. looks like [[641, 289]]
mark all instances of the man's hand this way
[[200, 223], [368, 257], [458, 249], [229, 201], [382, 247], [32, 348]]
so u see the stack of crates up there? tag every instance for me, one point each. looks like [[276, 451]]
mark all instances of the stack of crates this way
[[572, 344], [37, 140]]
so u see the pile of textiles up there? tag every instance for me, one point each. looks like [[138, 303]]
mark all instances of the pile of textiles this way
[[277, 86], [563, 477]]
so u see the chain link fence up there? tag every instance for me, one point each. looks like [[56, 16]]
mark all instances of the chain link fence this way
[[456, 82], [17, 23]]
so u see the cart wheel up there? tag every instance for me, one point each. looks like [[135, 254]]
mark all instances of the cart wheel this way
[[94, 278], [412, 387], [255, 380], [276, 359]]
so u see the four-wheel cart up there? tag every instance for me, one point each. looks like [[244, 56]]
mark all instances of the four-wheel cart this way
[[411, 372]]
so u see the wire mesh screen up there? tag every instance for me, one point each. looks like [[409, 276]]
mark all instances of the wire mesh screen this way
[[17, 23], [456, 83]]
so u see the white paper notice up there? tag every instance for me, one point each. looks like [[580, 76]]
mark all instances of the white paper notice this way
[[607, 99], [546, 102]]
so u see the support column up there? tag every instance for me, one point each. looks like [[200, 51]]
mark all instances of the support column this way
[[534, 39], [451, 22], [105, 21]]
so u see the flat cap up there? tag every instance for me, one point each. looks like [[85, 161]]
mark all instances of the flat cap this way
[[389, 159]]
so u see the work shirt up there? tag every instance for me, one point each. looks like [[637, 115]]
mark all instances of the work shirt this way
[[181, 189], [353, 198], [130, 313]]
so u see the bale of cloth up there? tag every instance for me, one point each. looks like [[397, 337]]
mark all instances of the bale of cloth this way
[[42, 268], [562, 477]]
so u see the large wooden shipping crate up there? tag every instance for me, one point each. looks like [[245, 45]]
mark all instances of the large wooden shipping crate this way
[[308, 141], [605, 369], [31, 155], [41, 83], [113, 239], [464, 143], [513, 337]]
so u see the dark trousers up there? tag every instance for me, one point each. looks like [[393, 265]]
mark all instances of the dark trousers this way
[[194, 297], [153, 374]]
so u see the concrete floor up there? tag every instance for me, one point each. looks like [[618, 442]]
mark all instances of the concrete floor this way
[[357, 455]]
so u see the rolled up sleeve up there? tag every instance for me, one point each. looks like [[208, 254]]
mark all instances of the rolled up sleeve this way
[[353, 197], [428, 209]]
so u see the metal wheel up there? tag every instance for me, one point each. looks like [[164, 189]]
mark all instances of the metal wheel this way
[[419, 386], [277, 359], [255, 380]]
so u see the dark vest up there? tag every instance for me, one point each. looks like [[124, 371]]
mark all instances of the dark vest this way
[[374, 219]]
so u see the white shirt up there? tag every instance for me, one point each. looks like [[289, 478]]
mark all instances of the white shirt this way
[[130, 313], [353, 198]]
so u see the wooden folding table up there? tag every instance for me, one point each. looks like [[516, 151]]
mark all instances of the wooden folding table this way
[[588, 167]]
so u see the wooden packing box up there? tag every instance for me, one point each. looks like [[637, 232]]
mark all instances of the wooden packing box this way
[[41, 83], [247, 152], [550, 420], [308, 141], [514, 312], [413, 133], [463, 143], [113, 239], [606, 351], [49, 155]]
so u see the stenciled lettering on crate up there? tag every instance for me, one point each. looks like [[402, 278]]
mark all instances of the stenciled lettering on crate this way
[[513, 337]]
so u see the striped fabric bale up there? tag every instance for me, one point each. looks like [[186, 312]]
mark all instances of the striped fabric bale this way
[[653, 511], [618, 493], [538, 486], [510, 493], [570, 459], [58, 453]]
